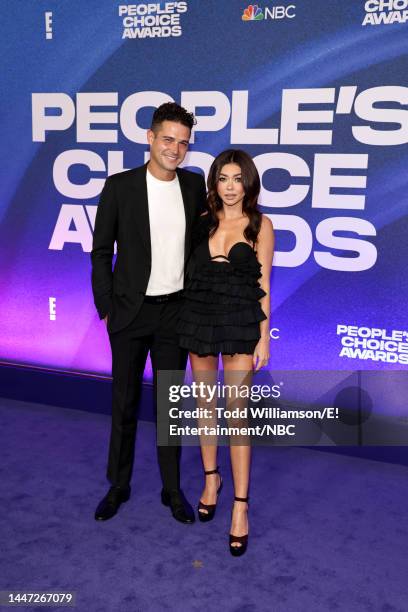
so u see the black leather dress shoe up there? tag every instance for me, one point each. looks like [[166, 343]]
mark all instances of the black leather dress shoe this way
[[109, 506], [179, 506]]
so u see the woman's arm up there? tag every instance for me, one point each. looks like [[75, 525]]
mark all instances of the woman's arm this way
[[265, 248]]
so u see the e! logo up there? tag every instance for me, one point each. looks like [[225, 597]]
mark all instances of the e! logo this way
[[53, 308], [48, 25]]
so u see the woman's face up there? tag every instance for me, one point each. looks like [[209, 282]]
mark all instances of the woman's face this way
[[229, 187]]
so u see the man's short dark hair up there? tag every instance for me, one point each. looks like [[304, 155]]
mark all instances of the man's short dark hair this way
[[171, 111]]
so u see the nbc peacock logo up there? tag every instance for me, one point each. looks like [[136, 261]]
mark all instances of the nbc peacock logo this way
[[252, 13]]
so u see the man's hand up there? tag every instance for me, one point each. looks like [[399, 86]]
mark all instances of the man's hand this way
[[106, 320]]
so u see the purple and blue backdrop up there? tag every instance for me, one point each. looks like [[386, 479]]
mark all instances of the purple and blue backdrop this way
[[315, 91]]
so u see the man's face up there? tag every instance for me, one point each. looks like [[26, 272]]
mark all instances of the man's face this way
[[168, 145]]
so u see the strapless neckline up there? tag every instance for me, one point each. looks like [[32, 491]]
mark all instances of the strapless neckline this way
[[227, 257]]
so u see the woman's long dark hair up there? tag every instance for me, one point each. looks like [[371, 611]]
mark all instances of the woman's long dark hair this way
[[251, 184]]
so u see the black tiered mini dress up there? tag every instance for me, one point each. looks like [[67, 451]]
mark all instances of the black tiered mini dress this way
[[221, 310]]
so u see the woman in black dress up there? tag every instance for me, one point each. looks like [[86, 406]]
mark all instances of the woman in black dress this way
[[226, 311]]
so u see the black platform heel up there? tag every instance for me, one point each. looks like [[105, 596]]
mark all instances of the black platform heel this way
[[204, 517], [238, 551]]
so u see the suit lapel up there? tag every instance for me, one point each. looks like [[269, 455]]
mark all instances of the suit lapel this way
[[188, 211], [142, 208]]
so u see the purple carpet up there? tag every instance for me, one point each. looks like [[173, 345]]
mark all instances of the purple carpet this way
[[328, 532]]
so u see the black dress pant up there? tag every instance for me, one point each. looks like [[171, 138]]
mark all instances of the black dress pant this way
[[152, 330]]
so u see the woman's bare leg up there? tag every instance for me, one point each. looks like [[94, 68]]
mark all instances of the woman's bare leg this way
[[238, 371], [205, 370]]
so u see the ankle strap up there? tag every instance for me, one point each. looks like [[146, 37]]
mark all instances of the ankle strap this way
[[242, 499], [208, 472]]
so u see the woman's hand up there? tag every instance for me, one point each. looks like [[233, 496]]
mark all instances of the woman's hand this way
[[261, 353]]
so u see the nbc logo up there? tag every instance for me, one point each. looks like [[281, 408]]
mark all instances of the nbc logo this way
[[252, 13]]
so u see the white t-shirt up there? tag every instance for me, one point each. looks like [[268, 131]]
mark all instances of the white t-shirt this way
[[167, 235]]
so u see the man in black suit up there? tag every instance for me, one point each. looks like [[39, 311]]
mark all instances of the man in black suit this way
[[149, 212]]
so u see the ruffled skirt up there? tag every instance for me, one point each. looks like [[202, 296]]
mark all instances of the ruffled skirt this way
[[221, 310]]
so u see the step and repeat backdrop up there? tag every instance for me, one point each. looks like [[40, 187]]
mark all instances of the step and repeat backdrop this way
[[315, 90]]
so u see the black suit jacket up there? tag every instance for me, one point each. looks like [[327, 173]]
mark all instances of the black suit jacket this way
[[123, 216]]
